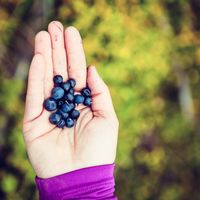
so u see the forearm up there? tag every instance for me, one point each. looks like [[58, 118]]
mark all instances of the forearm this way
[[88, 183]]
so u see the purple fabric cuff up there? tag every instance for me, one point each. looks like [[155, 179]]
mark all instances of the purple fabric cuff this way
[[88, 183]]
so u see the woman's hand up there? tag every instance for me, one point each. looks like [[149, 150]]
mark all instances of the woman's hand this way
[[93, 139]]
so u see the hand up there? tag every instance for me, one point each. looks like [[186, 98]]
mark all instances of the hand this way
[[93, 139]]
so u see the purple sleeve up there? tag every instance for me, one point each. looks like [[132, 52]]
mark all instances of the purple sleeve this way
[[88, 183]]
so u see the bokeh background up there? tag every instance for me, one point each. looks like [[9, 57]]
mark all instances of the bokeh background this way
[[148, 52]]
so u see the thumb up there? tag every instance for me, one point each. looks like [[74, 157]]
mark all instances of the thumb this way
[[101, 100]]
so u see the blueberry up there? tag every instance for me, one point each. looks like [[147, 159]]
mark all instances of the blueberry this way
[[78, 99], [63, 114], [74, 114], [61, 123], [50, 104], [55, 118], [57, 93], [87, 101], [69, 97], [58, 79], [60, 103], [72, 82], [67, 107], [86, 92], [66, 86], [69, 122], [71, 91]]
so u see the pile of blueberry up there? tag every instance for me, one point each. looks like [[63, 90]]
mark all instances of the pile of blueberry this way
[[63, 102]]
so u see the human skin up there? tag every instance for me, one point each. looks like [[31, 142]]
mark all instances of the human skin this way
[[93, 139]]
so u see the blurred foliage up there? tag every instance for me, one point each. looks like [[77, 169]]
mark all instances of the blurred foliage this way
[[148, 52]]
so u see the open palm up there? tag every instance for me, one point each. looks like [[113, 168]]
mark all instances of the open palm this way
[[93, 139]]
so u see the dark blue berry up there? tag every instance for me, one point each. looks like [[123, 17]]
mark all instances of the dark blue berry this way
[[55, 118], [67, 107], [50, 104], [87, 101], [74, 114], [71, 91], [78, 99], [57, 93], [69, 122], [69, 97], [61, 123], [60, 103], [63, 114], [58, 79], [66, 86], [72, 82], [86, 92]]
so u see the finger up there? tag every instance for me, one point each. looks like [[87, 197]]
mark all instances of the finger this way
[[75, 56], [101, 100], [55, 29], [35, 91], [43, 47]]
